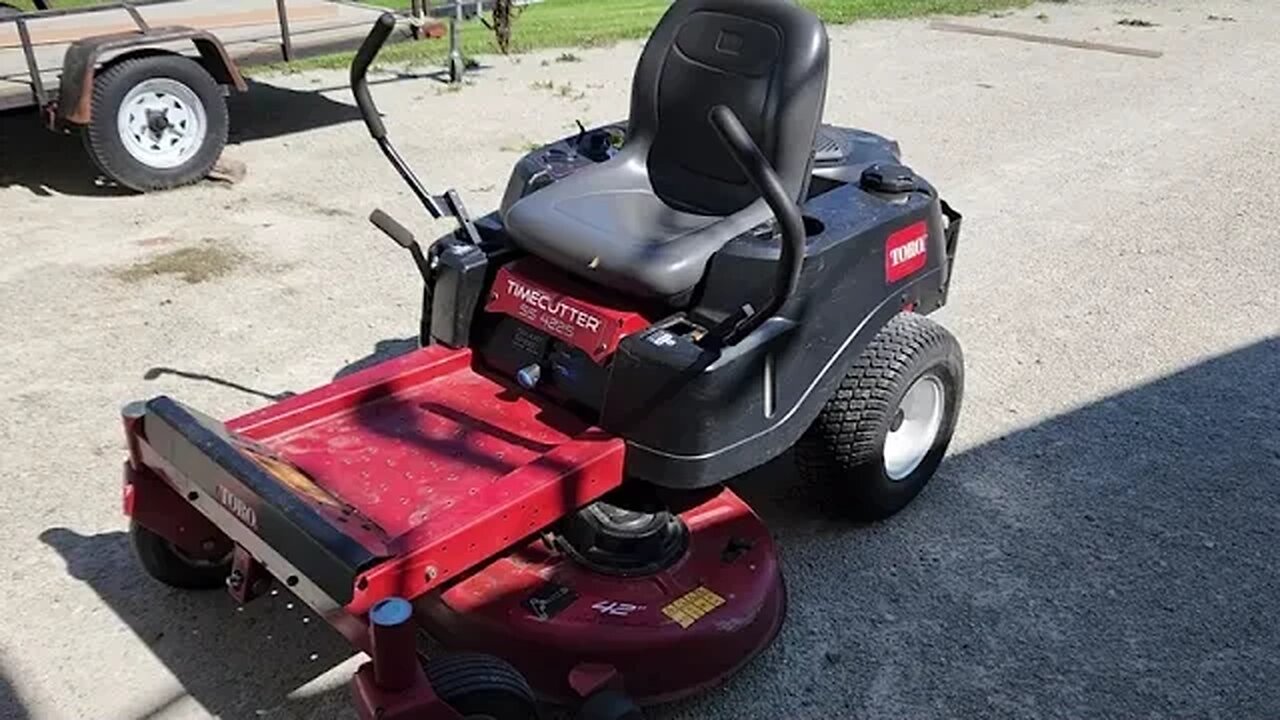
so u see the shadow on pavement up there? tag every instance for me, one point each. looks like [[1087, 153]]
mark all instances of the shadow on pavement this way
[[154, 373], [1120, 560], [236, 662], [268, 111], [383, 350], [47, 163], [11, 705]]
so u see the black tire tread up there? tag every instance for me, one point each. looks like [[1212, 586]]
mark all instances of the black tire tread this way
[[847, 434], [97, 134], [455, 677], [161, 563]]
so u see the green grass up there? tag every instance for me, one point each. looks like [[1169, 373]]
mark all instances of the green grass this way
[[595, 23], [57, 4]]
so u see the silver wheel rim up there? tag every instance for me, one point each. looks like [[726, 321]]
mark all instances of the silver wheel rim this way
[[162, 123], [915, 427]]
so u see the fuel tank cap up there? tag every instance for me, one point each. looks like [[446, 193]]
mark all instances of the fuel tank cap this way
[[888, 178]]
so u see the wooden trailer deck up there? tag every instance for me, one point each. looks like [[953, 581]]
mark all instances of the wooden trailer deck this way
[[249, 29]]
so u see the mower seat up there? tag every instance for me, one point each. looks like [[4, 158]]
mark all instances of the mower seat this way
[[647, 221]]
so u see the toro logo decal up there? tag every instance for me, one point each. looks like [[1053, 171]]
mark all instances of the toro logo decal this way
[[906, 252], [238, 507]]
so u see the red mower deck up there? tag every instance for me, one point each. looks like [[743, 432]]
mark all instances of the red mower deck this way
[[669, 634], [404, 478]]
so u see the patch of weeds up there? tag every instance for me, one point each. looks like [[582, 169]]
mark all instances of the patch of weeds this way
[[543, 85], [596, 42], [1222, 18], [523, 146], [546, 63], [1136, 22], [998, 15], [1043, 17], [569, 91], [196, 264], [568, 57], [449, 88]]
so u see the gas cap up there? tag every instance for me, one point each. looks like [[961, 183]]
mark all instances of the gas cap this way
[[888, 178]]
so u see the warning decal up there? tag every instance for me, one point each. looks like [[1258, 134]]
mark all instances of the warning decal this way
[[692, 606]]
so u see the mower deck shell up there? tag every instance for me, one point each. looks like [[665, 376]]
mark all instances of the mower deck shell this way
[[668, 634]]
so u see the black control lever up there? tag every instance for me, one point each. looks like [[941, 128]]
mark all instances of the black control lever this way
[[760, 172], [404, 238], [438, 206]]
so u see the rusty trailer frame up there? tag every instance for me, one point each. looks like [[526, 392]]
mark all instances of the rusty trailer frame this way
[[70, 104]]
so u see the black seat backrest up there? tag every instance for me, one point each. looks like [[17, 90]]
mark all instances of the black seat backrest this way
[[765, 59]]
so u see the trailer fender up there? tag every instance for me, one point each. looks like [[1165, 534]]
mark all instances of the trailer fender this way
[[80, 64]]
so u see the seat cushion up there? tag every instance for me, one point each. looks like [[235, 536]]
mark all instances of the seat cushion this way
[[607, 225]]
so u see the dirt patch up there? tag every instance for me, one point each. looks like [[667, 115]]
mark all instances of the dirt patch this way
[[196, 264]]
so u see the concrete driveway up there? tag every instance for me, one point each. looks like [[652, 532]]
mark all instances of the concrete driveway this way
[[1103, 542]]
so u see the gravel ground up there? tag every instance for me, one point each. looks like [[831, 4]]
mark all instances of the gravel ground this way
[[1103, 541]]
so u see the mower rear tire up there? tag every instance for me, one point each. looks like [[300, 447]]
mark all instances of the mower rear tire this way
[[881, 436], [158, 122], [166, 563], [481, 686]]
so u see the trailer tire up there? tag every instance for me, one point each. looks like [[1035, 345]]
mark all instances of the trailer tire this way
[[481, 686], [875, 449], [158, 122], [165, 563]]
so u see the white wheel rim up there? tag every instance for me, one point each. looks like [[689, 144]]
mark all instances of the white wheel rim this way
[[916, 423], [162, 123]]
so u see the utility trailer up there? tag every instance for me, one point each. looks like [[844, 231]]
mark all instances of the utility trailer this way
[[144, 82]]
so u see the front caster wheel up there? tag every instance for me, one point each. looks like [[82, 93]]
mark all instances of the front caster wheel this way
[[609, 705], [882, 435], [158, 122], [169, 564], [481, 686]]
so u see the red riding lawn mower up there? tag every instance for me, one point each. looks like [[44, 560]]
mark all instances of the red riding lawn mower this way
[[657, 307]]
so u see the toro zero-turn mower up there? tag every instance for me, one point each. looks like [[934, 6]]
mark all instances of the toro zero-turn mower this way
[[657, 307]]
